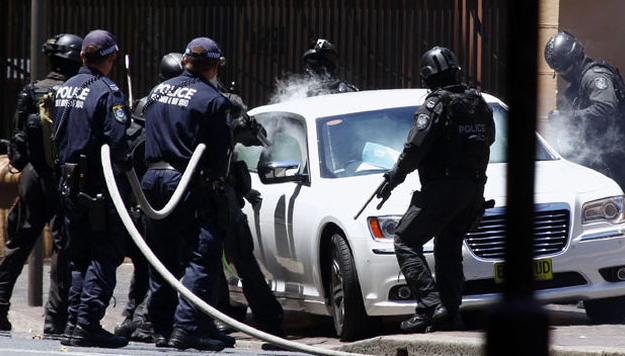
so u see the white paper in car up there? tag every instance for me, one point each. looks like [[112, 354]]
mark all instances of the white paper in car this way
[[376, 156]]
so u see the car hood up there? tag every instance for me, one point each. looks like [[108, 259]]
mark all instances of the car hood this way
[[556, 181]]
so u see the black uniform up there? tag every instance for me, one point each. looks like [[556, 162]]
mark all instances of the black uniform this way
[[328, 84], [239, 243], [449, 145], [594, 103], [37, 204]]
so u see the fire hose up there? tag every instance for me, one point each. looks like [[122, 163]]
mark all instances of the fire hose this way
[[145, 206], [109, 176]]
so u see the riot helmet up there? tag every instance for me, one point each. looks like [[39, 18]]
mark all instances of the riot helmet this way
[[562, 51], [320, 58], [439, 67], [65, 46], [171, 66]]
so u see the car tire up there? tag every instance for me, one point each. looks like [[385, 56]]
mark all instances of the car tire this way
[[348, 312], [606, 310]]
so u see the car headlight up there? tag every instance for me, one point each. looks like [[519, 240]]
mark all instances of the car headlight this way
[[383, 227], [606, 209]]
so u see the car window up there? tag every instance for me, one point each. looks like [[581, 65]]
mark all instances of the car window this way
[[370, 142], [287, 134]]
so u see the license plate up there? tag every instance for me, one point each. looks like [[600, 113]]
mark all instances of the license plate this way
[[543, 270]]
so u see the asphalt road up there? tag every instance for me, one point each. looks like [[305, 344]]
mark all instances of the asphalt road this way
[[571, 333]]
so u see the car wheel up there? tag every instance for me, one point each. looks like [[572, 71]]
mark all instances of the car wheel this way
[[607, 310], [348, 311]]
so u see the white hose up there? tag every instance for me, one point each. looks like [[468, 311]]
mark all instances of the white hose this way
[[177, 285], [178, 193]]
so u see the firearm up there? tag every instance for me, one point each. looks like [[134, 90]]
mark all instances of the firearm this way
[[127, 64], [249, 132], [377, 191]]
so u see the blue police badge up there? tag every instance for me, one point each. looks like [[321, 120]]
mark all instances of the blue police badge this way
[[601, 83], [423, 121], [119, 113]]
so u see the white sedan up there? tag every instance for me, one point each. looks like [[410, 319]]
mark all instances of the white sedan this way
[[329, 154]]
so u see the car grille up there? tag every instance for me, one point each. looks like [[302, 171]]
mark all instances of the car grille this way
[[551, 231]]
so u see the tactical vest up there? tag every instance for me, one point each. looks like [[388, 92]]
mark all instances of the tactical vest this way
[[34, 128], [619, 85], [463, 148]]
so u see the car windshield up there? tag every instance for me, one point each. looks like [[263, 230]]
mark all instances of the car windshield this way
[[370, 142]]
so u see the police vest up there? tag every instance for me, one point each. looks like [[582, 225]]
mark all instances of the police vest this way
[[463, 147]]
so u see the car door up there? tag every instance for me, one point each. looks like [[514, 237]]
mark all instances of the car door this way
[[272, 222]]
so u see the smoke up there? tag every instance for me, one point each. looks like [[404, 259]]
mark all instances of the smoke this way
[[586, 142], [297, 86]]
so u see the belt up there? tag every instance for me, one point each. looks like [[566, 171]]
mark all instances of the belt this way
[[161, 165]]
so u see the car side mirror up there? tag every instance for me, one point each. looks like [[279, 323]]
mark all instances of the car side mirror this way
[[280, 172]]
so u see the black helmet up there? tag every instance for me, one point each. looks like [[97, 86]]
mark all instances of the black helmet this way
[[65, 46], [562, 51], [436, 61], [320, 55], [171, 66]]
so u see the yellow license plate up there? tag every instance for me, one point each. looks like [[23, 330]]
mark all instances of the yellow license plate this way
[[543, 270]]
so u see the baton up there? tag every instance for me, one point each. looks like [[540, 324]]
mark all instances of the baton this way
[[127, 64]]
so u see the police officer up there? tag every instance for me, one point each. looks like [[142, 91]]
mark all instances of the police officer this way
[[239, 244], [91, 111], [449, 145], [136, 324], [320, 61], [181, 113], [593, 103], [38, 201]]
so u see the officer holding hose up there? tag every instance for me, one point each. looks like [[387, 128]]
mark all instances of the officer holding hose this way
[[180, 114]]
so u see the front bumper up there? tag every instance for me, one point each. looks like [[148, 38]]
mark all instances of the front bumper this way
[[577, 274]]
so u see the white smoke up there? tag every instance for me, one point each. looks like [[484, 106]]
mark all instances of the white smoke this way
[[579, 140], [297, 86]]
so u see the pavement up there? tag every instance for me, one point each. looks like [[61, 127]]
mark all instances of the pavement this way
[[571, 332]]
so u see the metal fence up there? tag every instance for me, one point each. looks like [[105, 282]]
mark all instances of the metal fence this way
[[379, 41]]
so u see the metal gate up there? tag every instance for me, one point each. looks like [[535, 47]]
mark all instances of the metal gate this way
[[379, 41]]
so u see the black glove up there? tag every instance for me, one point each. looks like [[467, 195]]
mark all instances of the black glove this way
[[393, 178], [254, 197]]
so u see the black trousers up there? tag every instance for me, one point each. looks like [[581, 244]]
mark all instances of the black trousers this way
[[239, 248], [38, 204], [444, 210]]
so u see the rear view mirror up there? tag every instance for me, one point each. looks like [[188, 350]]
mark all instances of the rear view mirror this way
[[280, 172]]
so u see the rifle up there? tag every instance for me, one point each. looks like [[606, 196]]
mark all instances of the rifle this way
[[375, 192], [127, 64]]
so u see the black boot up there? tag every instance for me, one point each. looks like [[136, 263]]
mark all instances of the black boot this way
[[182, 340], [144, 332], [125, 328], [445, 320], [214, 333], [97, 337], [52, 327], [419, 322], [66, 337], [5, 325]]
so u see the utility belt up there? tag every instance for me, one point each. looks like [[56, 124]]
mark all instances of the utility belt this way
[[76, 179], [200, 179]]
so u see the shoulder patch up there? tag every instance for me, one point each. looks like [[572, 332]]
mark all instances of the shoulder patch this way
[[110, 84], [430, 104], [119, 113], [423, 120], [601, 83]]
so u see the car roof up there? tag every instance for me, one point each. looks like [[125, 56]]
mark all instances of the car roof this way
[[366, 100]]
